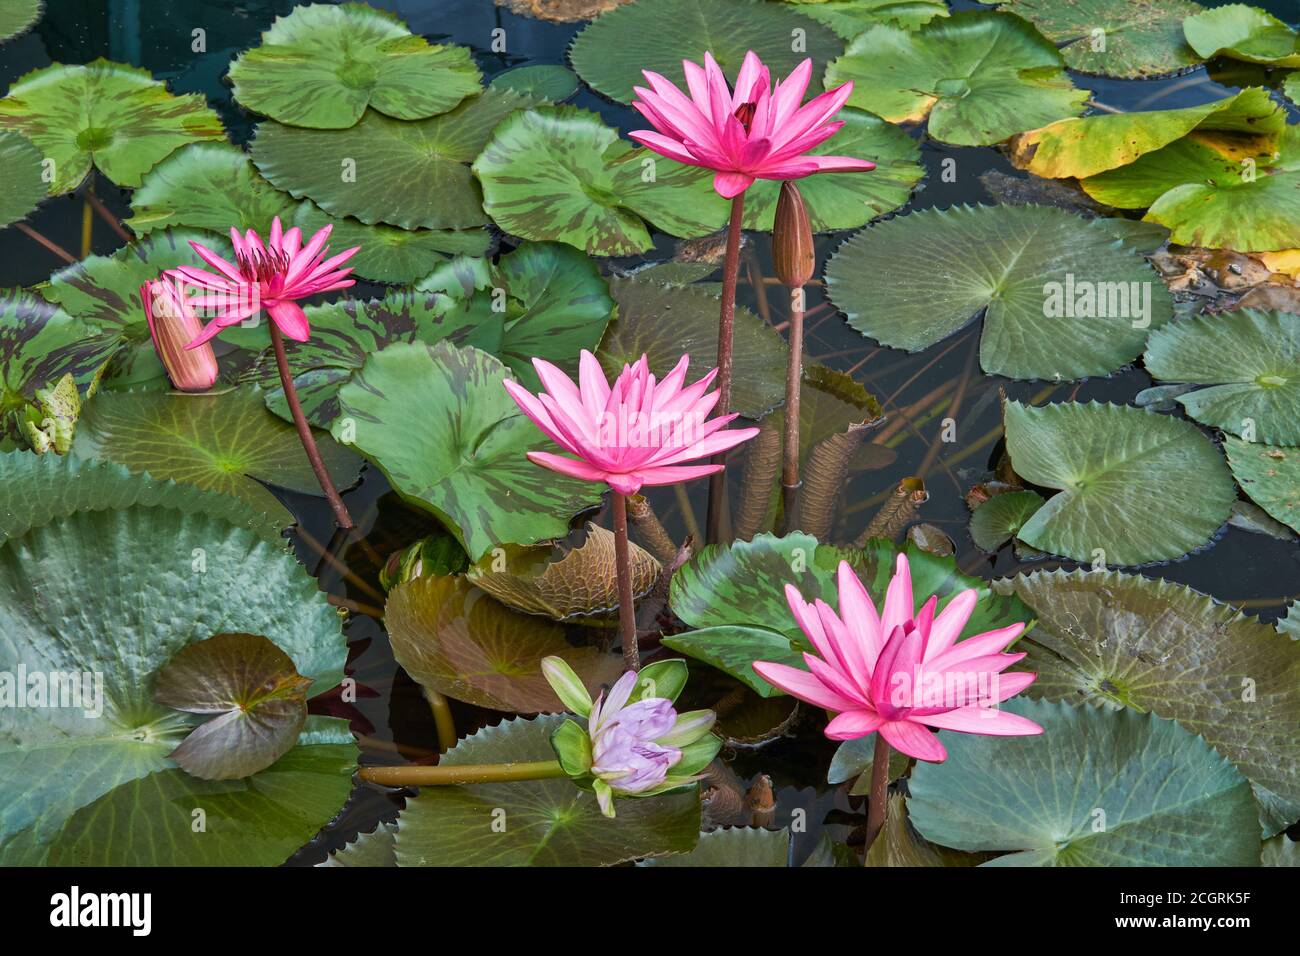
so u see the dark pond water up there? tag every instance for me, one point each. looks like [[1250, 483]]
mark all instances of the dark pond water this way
[[1256, 572]]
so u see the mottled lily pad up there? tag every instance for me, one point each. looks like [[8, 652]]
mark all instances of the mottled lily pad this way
[[1270, 475], [25, 186]]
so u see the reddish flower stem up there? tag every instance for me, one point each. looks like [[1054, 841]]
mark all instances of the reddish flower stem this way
[[790, 453], [626, 602], [49, 244], [341, 516], [878, 801], [726, 324]]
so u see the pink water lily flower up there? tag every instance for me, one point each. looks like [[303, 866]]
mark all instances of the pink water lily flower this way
[[636, 432], [900, 674], [270, 276], [756, 132]]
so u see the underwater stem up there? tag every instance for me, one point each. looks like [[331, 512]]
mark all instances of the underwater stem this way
[[878, 801], [341, 516], [626, 605], [726, 323], [441, 775]]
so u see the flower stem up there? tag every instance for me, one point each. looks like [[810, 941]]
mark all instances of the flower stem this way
[[626, 605], [341, 516], [87, 219], [790, 451], [877, 802], [726, 323], [440, 707], [441, 775], [49, 244]]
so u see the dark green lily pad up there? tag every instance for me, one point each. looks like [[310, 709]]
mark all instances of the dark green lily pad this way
[[541, 81], [1122, 473], [978, 77], [544, 822], [999, 519], [24, 185], [109, 116], [457, 640], [848, 18], [559, 173], [225, 442], [1124, 640], [18, 16], [437, 421], [1062, 298], [657, 35], [853, 759], [1270, 475], [734, 847]]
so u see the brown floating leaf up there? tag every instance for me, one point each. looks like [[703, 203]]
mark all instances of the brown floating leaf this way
[[257, 693], [561, 11], [455, 639], [581, 583]]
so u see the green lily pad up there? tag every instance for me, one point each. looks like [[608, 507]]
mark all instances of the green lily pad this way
[[70, 602], [559, 173], [24, 185], [1062, 298], [1280, 851], [733, 847], [1122, 474], [1124, 38], [18, 16], [1242, 33], [376, 848], [1291, 87], [666, 322], [848, 18], [540, 81], [734, 595], [390, 253], [225, 442], [979, 77], [208, 186], [1124, 640], [546, 822], [323, 64], [1252, 361], [457, 640], [256, 699], [1196, 158], [39, 488], [1000, 519], [1270, 475], [853, 758], [657, 35], [109, 116], [1083, 147], [39, 344], [848, 200], [898, 844], [104, 291], [413, 174], [1096, 788], [437, 421]]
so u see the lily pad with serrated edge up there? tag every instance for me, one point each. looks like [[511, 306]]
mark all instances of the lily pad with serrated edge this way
[[552, 822], [977, 77], [657, 35], [848, 200], [409, 173], [25, 185], [998, 520], [437, 421], [1122, 479], [1242, 33], [322, 65], [1250, 360], [375, 848], [459, 641], [1029, 268], [1123, 640], [108, 116], [18, 16], [225, 442], [1167, 797], [848, 18], [733, 847], [1270, 475], [543, 81], [559, 173]]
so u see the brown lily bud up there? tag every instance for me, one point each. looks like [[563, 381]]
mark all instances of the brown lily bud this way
[[173, 325], [792, 239]]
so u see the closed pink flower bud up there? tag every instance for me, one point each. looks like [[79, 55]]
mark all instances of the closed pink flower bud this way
[[173, 325]]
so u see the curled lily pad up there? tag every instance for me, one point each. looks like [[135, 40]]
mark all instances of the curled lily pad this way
[[208, 186], [580, 582], [657, 35], [542, 81], [256, 700], [224, 442], [999, 519], [18, 16], [1096, 788], [547, 822], [25, 186], [848, 18], [1270, 475], [1061, 298], [978, 77], [1125, 38], [437, 421], [1122, 473], [1128, 641], [457, 640], [323, 64], [109, 116], [1250, 359], [559, 173], [1242, 33]]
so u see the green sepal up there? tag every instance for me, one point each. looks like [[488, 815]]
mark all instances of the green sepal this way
[[573, 748], [660, 679], [569, 688], [697, 756]]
